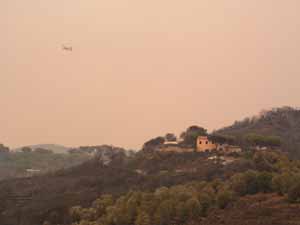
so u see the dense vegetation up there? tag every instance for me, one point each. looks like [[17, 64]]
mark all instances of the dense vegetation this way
[[82, 184], [17, 164], [193, 176], [189, 202], [282, 123], [190, 135], [28, 161]]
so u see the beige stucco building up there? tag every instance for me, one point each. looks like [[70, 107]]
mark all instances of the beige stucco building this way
[[204, 144]]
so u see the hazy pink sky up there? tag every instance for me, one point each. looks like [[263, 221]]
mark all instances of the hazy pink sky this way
[[141, 68]]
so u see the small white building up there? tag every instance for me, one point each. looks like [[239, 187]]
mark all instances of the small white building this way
[[171, 143]]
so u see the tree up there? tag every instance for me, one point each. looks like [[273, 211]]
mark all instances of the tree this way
[[102, 203], [182, 212], [294, 193], [273, 141], [206, 200], [191, 134], [263, 141], [264, 182], [165, 212], [26, 149], [88, 214], [73, 151], [142, 219], [193, 208], [4, 149], [153, 143], [148, 203], [162, 193], [264, 162], [245, 183], [222, 139], [224, 197], [170, 137], [121, 214], [43, 151], [281, 183], [54, 217], [78, 213], [75, 213]]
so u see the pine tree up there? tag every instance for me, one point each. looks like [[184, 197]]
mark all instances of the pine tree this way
[[142, 219]]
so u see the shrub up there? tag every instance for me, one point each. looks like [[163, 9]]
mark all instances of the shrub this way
[[294, 193], [224, 197], [245, 183], [102, 203], [193, 208], [142, 219], [206, 200], [264, 182], [281, 183]]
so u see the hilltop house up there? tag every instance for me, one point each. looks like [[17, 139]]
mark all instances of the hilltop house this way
[[203, 144], [206, 145]]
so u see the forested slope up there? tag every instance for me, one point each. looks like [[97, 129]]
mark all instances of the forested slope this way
[[282, 122]]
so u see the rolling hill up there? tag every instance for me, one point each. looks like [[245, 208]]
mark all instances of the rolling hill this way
[[53, 147], [282, 122], [80, 185]]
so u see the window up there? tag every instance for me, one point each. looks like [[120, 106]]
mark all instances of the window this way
[[200, 142], [206, 142]]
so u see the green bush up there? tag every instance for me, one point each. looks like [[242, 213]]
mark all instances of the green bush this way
[[251, 182], [245, 183], [142, 219], [193, 208], [264, 182], [281, 183], [294, 193], [224, 198]]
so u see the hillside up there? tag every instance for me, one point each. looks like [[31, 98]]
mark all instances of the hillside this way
[[24, 164], [282, 122], [255, 189], [39, 198], [53, 147], [266, 209], [37, 160], [82, 184]]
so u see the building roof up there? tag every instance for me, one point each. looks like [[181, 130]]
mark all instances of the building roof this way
[[203, 137]]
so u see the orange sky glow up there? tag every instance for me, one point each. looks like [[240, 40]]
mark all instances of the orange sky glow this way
[[141, 68]]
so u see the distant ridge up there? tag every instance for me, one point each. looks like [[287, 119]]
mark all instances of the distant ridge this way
[[54, 147]]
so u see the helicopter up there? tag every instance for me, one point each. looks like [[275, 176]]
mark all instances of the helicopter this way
[[67, 48]]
